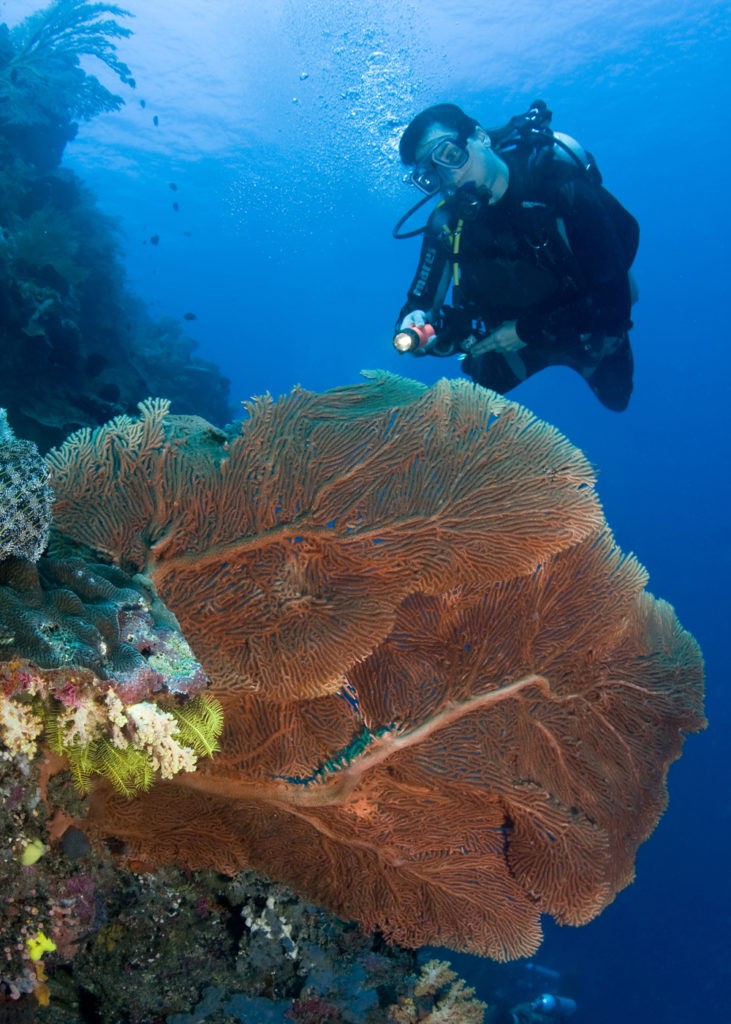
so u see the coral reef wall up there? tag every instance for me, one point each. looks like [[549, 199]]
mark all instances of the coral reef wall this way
[[76, 347]]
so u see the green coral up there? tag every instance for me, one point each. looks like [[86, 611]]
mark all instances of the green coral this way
[[129, 760], [200, 723], [128, 769], [81, 765], [131, 746]]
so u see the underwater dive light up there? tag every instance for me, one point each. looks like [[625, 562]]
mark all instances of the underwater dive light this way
[[554, 1007], [411, 339]]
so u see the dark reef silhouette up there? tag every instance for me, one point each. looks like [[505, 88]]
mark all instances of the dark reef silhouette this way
[[76, 346]]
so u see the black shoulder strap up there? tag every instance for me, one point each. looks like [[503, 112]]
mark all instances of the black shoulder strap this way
[[530, 147]]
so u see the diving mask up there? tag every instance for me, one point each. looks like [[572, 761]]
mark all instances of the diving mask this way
[[449, 154]]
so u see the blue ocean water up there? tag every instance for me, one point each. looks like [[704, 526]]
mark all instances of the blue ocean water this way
[[278, 123]]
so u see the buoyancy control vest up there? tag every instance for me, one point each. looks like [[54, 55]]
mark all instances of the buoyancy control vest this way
[[530, 136]]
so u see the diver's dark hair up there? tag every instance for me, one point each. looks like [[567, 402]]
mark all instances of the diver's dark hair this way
[[448, 114]]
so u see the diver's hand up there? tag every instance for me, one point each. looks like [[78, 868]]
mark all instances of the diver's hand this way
[[416, 318], [503, 339]]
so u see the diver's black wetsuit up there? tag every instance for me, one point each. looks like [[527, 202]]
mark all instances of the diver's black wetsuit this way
[[552, 254]]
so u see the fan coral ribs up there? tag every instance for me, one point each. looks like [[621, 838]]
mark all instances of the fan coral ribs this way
[[450, 705], [321, 517]]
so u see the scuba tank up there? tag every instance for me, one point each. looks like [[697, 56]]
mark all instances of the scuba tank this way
[[532, 131]]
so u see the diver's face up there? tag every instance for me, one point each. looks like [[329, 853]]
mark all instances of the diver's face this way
[[478, 167]]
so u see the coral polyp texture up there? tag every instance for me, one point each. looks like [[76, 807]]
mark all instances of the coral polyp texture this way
[[25, 497], [96, 670], [450, 703]]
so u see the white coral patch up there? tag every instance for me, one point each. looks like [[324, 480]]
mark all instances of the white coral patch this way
[[80, 725], [19, 727], [154, 732]]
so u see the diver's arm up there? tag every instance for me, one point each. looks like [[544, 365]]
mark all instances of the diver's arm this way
[[431, 281]]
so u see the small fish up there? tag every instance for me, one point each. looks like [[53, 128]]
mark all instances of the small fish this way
[[173, 186], [154, 239], [190, 316], [176, 207], [156, 120], [143, 104]]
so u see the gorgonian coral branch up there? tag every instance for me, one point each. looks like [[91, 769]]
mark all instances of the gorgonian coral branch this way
[[40, 69], [450, 704]]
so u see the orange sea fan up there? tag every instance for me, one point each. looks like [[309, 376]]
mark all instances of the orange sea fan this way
[[321, 516], [450, 704]]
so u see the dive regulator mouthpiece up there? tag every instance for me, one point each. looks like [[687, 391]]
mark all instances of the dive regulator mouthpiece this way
[[411, 339]]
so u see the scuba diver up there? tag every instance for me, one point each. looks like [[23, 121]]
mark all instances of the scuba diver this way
[[527, 996], [537, 252], [545, 1009]]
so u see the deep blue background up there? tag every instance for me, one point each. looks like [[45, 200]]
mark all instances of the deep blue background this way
[[279, 129]]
